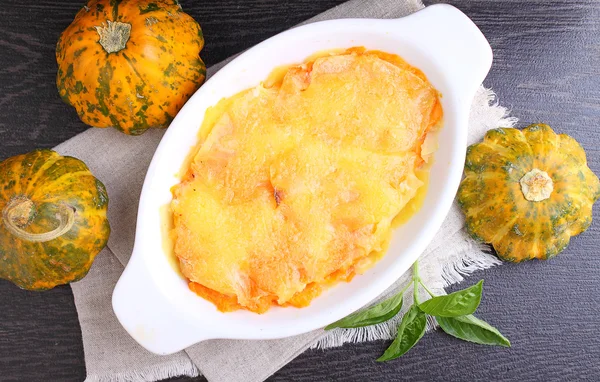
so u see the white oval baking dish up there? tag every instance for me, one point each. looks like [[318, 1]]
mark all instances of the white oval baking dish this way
[[153, 302]]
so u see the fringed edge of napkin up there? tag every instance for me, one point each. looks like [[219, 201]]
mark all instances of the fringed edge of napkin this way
[[150, 374]]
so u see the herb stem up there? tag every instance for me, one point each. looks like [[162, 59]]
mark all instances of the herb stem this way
[[416, 271], [427, 289], [404, 289], [416, 281]]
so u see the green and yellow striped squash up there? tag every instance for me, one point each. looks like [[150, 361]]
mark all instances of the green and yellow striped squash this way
[[53, 219], [527, 192]]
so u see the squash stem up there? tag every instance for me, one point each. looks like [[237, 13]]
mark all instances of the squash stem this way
[[536, 185], [17, 214], [114, 35]]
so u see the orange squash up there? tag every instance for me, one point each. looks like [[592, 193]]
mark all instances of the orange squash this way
[[130, 64]]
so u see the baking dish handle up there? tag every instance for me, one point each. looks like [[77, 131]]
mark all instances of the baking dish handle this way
[[148, 315], [460, 50]]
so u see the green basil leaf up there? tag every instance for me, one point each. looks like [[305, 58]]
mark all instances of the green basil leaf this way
[[410, 332], [455, 304], [371, 316], [472, 329]]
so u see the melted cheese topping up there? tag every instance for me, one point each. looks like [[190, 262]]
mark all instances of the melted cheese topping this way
[[295, 183]]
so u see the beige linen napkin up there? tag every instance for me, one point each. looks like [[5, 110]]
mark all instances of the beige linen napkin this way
[[121, 162]]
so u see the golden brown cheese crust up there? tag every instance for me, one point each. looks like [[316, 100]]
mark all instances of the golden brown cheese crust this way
[[294, 186]]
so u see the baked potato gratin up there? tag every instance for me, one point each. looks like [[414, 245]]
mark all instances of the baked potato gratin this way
[[294, 183]]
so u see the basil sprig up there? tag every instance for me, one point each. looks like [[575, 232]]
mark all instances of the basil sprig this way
[[410, 331], [454, 304], [472, 329], [453, 312], [374, 315]]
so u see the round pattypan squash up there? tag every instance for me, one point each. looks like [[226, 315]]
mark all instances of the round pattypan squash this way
[[527, 192], [53, 219], [130, 64]]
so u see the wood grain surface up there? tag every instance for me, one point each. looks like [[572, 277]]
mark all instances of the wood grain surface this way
[[546, 69]]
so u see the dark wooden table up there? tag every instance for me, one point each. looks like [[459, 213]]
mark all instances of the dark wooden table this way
[[546, 68]]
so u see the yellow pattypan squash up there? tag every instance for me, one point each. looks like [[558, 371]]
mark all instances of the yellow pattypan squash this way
[[527, 192]]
